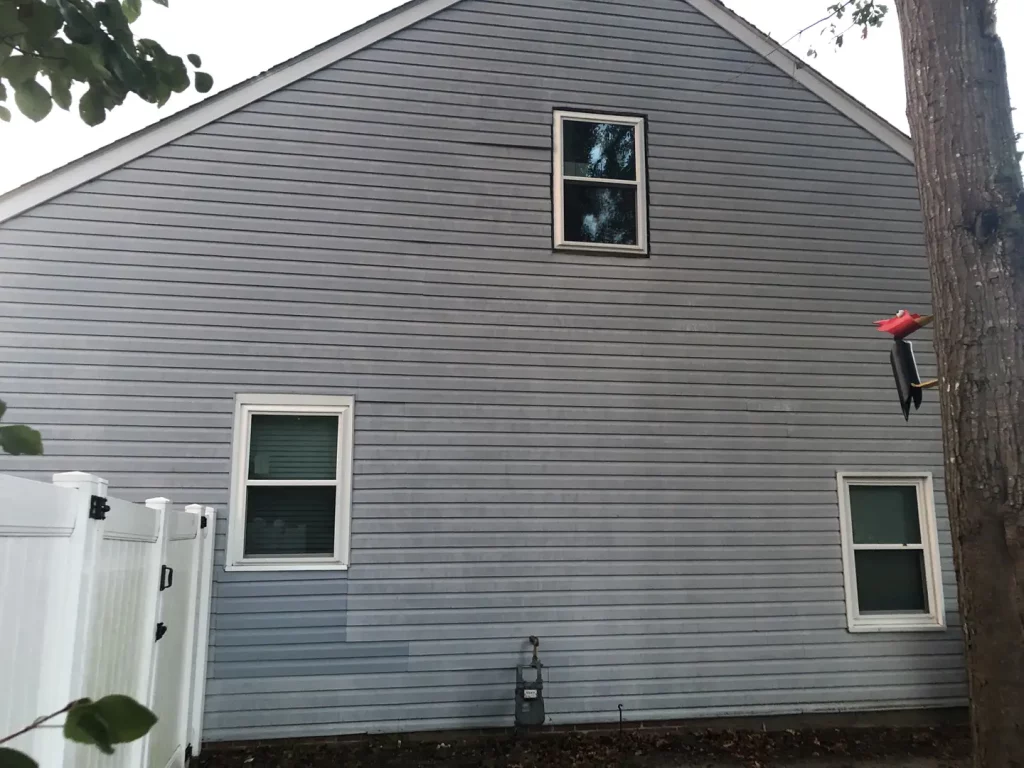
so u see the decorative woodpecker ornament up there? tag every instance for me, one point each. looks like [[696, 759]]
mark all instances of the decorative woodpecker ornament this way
[[904, 367], [903, 323]]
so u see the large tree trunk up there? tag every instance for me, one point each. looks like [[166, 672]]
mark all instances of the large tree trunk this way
[[973, 205]]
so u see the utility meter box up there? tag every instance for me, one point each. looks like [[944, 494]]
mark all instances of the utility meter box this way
[[530, 694]]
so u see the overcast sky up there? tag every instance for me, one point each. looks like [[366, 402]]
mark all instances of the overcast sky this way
[[236, 43]]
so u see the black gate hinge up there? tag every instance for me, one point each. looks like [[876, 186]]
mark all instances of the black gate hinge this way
[[203, 521], [161, 630], [98, 508], [188, 754]]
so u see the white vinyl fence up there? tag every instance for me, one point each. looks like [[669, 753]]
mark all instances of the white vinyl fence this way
[[101, 596]]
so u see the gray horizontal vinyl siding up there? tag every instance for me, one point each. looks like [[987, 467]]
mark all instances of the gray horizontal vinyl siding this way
[[633, 459]]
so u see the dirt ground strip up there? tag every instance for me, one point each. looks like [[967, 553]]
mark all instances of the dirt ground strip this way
[[945, 747]]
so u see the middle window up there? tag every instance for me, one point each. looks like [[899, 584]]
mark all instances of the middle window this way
[[600, 189]]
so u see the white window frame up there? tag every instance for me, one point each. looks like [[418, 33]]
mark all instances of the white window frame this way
[[247, 406], [640, 147], [893, 622]]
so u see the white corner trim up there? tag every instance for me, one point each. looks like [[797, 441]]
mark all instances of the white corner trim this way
[[806, 75], [153, 137]]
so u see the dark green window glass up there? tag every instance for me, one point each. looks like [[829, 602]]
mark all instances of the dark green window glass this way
[[289, 520], [891, 580], [293, 447], [884, 514]]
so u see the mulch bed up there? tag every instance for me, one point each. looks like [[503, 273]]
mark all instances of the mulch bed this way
[[653, 748]]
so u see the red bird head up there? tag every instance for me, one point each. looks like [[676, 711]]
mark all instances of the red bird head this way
[[903, 324]]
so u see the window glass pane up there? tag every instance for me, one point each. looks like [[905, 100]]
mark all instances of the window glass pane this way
[[890, 580], [600, 214], [289, 520], [884, 514], [598, 150], [293, 448]]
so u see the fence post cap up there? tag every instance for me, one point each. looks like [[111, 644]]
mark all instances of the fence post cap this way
[[195, 509], [159, 502], [81, 481]]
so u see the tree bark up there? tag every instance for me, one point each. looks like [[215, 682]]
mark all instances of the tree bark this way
[[972, 199]]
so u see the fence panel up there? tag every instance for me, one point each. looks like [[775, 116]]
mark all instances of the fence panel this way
[[45, 541], [204, 595], [118, 645], [80, 604], [172, 671]]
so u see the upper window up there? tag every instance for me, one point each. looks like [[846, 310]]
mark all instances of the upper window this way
[[890, 552], [291, 483], [600, 192]]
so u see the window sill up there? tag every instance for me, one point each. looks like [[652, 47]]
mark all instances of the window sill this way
[[896, 624], [286, 565], [634, 251]]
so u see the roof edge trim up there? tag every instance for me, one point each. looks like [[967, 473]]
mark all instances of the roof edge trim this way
[[807, 76], [236, 97], [153, 137]]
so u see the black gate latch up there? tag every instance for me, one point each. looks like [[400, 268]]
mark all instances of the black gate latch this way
[[166, 577]]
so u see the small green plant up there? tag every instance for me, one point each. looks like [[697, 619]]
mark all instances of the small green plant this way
[[104, 723]]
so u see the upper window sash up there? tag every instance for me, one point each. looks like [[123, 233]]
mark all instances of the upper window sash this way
[[935, 617], [636, 185]]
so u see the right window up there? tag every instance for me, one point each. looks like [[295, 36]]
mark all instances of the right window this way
[[890, 552], [600, 187]]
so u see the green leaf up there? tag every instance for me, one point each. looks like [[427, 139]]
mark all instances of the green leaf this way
[[5, 51], [126, 69], [85, 725], [42, 22], [203, 82], [132, 9], [90, 107], [151, 47], [3, 408], [33, 100], [175, 73], [195, 60], [19, 440], [77, 29], [161, 2], [88, 63], [61, 91], [12, 758], [126, 719], [20, 68], [5, 114]]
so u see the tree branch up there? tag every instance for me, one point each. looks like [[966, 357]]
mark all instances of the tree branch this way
[[39, 721], [837, 10]]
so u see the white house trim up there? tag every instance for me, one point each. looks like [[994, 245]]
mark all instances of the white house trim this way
[[806, 75], [138, 144]]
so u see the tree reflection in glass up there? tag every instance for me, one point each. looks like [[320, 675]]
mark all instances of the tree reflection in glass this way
[[595, 212]]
